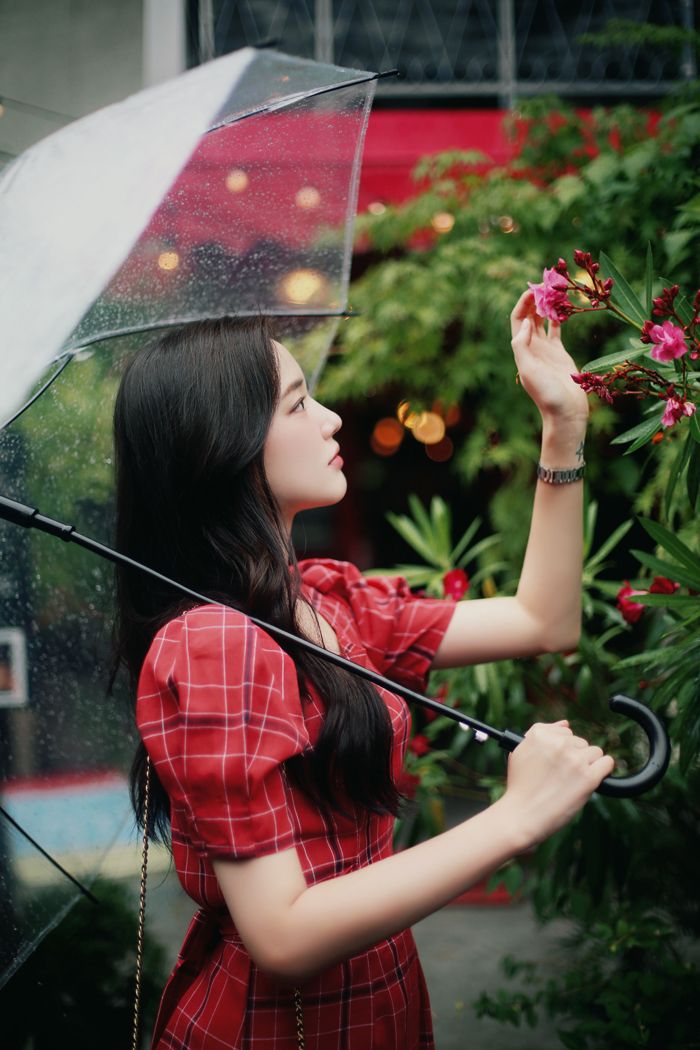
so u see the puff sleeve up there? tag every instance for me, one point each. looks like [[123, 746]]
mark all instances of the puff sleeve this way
[[400, 631], [218, 709]]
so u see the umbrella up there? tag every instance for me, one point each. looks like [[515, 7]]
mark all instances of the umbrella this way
[[230, 190]]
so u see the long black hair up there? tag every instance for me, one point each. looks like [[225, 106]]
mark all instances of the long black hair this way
[[190, 422]]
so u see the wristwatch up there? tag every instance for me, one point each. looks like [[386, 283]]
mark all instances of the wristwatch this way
[[560, 477]]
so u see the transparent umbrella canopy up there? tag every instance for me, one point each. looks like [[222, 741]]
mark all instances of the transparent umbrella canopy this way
[[229, 191]]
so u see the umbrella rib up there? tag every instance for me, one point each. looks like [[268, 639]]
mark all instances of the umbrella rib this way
[[300, 96], [157, 326], [68, 357], [48, 856]]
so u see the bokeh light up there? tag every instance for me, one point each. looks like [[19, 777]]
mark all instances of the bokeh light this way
[[168, 261], [237, 181], [429, 428], [508, 224], [387, 435], [307, 197], [441, 451], [442, 221], [303, 286]]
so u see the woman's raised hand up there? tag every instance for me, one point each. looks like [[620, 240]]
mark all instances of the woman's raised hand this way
[[544, 365], [551, 775]]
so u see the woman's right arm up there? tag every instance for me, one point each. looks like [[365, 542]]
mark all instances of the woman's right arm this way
[[293, 931]]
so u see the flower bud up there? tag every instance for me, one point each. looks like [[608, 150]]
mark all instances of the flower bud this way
[[646, 328]]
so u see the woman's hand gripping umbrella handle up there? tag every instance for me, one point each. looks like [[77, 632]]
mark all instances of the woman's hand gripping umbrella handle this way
[[659, 750]]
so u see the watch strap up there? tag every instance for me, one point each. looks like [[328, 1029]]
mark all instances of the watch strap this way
[[560, 477]]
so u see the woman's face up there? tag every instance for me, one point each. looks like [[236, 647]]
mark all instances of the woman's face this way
[[301, 458]]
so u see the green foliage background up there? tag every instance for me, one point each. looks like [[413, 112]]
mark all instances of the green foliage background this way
[[434, 323]]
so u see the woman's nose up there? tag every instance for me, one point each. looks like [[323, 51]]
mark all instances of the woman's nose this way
[[331, 424]]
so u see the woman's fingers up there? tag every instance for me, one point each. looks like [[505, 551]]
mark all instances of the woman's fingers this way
[[522, 309], [554, 329], [521, 339]]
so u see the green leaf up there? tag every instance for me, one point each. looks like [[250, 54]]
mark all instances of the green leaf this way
[[442, 525], [640, 434], [410, 533], [666, 568], [420, 514], [477, 550], [464, 541], [649, 280], [604, 364], [623, 295], [695, 427], [676, 471], [667, 601], [612, 541], [671, 544], [693, 477]]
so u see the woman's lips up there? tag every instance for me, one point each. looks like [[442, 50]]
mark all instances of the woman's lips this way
[[337, 461]]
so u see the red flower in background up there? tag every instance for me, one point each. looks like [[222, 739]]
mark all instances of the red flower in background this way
[[455, 584], [631, 611], [662, 585], [441, 695], [408, 784], [419, 745]]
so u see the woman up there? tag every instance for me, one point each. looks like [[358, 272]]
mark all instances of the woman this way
[[277, 770]]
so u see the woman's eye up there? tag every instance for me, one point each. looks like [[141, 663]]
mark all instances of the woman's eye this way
[[300, 404]]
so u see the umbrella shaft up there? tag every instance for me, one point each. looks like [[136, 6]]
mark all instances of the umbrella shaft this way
[[29, 517]]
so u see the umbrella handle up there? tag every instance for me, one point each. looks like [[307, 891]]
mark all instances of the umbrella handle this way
[[659, 750]]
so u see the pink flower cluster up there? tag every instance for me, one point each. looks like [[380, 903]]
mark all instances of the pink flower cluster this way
[[551, 299], [676, 408], [668, 339]]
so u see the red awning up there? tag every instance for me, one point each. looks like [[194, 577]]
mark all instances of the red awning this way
[[397, 139]]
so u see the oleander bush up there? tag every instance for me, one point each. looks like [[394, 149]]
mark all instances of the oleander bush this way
[[624, 187]]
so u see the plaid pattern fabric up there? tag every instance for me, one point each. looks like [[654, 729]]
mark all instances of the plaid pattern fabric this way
[[219, 711]]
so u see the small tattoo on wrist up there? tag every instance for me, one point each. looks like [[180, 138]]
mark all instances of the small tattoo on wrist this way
[[579, 451]]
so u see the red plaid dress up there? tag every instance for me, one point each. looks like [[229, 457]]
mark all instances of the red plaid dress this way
[[219, 711]]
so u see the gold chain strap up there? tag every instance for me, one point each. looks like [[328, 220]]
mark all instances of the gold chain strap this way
[[298, 1006], [142, 909], [299, 1011]]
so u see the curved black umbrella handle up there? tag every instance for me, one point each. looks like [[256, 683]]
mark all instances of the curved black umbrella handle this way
[[659, 750]]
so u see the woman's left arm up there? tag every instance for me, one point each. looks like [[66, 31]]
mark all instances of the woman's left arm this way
[[545, 613]]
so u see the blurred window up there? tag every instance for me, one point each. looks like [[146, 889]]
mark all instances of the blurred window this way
[[493, 50]]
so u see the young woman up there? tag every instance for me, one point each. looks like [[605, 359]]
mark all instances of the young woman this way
[[276, 771]]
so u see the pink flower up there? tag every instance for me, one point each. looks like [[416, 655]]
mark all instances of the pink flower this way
[[669, 341], [676, 408], [455, 584], [420, 745], [550, 297], [631, 611]]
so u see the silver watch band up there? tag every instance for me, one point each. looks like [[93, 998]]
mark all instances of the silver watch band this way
[[560, 477]]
